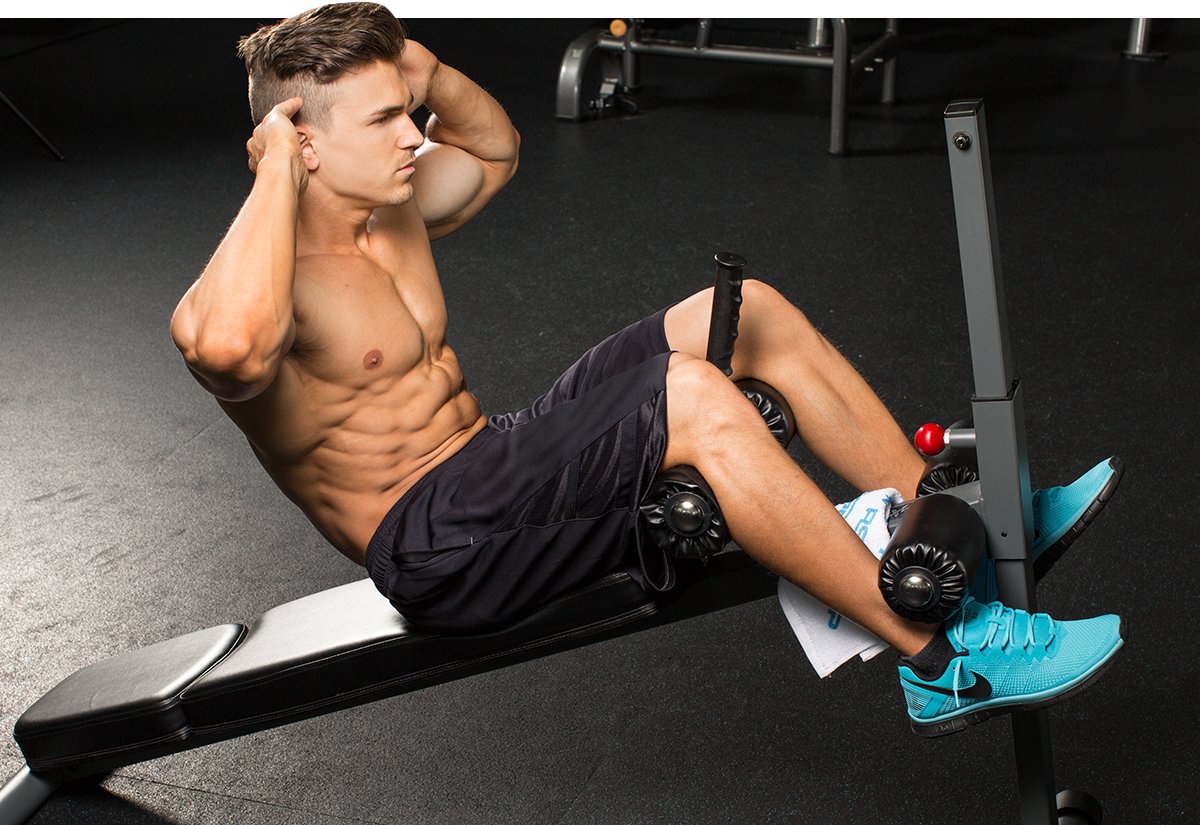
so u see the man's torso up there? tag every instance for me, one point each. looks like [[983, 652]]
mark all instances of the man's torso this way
[[370, 398]]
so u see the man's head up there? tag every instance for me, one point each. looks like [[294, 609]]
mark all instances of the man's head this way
[[303, 56]]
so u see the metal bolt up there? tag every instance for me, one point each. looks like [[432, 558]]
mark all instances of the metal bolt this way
[[962, 140], [916, 591], [687, 514]]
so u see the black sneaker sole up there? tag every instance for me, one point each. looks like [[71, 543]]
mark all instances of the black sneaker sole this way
[[1054, 552], [948, 726]]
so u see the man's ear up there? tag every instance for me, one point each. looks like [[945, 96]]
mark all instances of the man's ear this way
[[308, 150]]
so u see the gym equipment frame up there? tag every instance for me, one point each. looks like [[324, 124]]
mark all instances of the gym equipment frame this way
[[621, 77], [999, 440]]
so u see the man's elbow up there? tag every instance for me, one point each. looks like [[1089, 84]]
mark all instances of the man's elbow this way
[[515, 160], [230, 358], [498, 173], [228, 366]]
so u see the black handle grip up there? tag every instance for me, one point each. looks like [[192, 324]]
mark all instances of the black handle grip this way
[[726, 310]]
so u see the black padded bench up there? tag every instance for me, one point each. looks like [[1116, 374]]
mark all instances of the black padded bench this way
[[331, 650], [348, 645]]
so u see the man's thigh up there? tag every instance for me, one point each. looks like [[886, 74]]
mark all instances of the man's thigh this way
[[685, 325]]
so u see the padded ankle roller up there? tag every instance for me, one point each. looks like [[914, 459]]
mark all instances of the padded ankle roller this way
[[681, 517], [927, 567], [772, 407]]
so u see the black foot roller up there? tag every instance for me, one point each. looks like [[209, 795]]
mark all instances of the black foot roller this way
[[927, 567]]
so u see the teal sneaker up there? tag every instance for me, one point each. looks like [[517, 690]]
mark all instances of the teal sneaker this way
[[1006, 660], [1061, 514]]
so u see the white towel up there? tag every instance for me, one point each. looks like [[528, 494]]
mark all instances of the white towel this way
[[830, 639]]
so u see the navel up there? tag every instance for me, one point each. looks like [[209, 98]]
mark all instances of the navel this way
[[373, 359]]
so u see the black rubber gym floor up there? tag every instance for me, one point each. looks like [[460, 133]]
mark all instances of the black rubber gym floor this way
[[131, 510]]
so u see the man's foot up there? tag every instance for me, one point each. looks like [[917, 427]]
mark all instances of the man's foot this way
[[1061, 514], [996, 659]]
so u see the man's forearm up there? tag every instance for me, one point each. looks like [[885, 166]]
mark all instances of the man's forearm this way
[[466, 116]]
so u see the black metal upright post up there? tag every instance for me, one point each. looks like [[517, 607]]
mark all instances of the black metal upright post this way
[[726, 310], [999, 425]]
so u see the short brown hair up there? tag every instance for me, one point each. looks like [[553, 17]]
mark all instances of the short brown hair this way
[[302, 55]]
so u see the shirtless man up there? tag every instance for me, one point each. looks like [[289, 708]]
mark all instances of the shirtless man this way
[[319, 325]]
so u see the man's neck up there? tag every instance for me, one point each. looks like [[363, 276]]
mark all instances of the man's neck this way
[[326, 226]]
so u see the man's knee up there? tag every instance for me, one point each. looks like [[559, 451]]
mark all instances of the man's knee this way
[[760, 293], [704, 408], [691, 379], [769, 321]]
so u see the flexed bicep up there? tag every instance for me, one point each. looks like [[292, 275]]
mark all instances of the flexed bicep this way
[[451, 186], [471, 145]]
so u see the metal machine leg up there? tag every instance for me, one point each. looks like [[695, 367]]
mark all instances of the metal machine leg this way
[[570, 75], [818, 36], [23, 795], [846, 65], [623, 49], [889, 66], [32, 128], [999, 423], [999, 417], [631, 77], [841, 86], [1139, 39]]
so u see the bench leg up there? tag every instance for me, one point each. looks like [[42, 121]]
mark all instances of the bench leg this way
[[23, 795]]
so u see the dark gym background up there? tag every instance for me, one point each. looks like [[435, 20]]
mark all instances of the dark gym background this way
[[131, 510]]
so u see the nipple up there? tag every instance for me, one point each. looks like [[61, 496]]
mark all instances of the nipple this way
[[373, 359]]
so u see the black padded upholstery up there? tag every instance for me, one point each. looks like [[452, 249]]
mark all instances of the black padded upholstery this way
[[348, 645], [334, 649], [122, 704]]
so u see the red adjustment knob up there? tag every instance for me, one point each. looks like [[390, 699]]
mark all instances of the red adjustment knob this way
[[930, 439]]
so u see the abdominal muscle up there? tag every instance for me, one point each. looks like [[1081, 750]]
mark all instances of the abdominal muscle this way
[[346, 454]]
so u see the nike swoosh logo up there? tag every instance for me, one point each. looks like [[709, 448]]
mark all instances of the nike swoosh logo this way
[[981, 689]]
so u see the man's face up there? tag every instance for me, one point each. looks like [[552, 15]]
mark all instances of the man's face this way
[[366, 154]]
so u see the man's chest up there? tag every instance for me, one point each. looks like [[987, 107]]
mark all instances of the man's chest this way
[[356, 326]]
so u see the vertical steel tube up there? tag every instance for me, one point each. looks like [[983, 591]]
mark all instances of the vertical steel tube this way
[[841, 86], [630, 68], [889, 65], [818, 37], [1138, 45], [983, 282], [1139, 36], [999, 425]]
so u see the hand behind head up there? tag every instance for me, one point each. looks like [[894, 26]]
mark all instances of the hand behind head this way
[[277, 134]]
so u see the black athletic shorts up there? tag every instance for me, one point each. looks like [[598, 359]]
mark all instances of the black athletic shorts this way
[[540, 501]]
